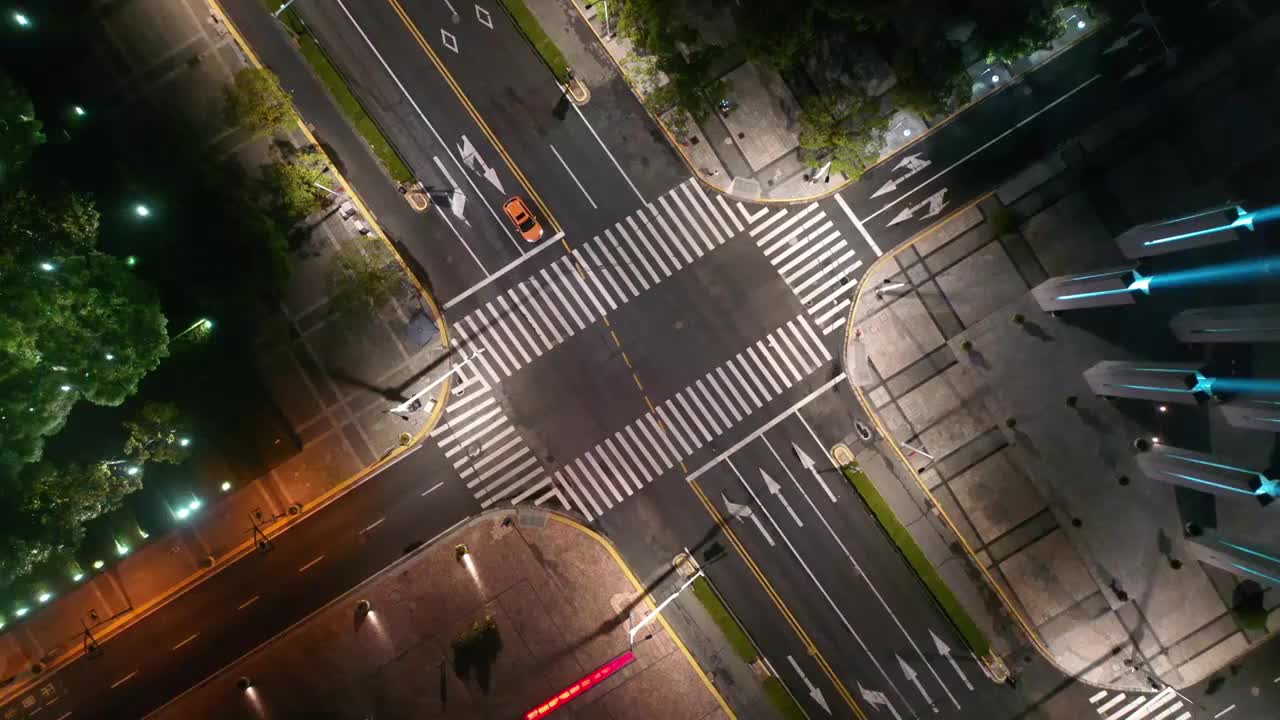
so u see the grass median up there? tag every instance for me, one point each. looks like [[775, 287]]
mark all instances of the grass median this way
[[744, 648], [341, 92], [538, 38], [969, 630]]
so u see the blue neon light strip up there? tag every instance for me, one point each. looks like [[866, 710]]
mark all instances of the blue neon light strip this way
[[1099, 275], [1235, 330], [1244, 549], [1096, 293], [1251, 571], [1206, 482], [1153, 388], [1220, 466], [1242, 220], [1166, 370]]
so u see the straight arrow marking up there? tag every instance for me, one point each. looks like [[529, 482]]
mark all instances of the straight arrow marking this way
[[808, 464], [945, 652], [742, 512], [878, 699], [914, 679], [814, 692], [776, 490]]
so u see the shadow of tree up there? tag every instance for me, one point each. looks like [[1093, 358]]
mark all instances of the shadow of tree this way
[[475, 652]]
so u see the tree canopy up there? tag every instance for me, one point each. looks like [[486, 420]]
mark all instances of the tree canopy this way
[[20, 130], [846, 130], [256, 102]]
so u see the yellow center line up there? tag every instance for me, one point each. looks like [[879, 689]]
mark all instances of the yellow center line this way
[[184, 642], [475, 115]]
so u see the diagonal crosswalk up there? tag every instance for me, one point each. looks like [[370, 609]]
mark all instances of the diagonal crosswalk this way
[[486, 450], [813, 259], [637, 253], [625, 462], [1164, 705]]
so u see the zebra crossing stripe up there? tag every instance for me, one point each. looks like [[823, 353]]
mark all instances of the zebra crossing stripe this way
[[631, 461], [1124, 710], [783, 226], [541, 310], [544, 482], [689, 243], [795, 354], [702, 387], [626, 468], [711, 381], [793, 242], [1103, 708], [527, 308], [489, 457], [643, 237], [504, 463], [1153, 704], [644, 449], [693, 417], [751, 352], [768, 221], [834, 269], [607, 270], [501, 351], [813, 249], [580, 468], [456, 414], [473, 337], [573, 488], [586, 270], [711, 210], [773, 362], [630, 246], [825, 316], [524, 332], [563, 266], [741, 359], [586, 489], [800, 340], [592, 464], [462, 431], [742, 383], [672, 430], [666, 439], [727, 211], [684, 210], [504, 481], [500, 320], [618, 266], [551, 284], [822, 262]]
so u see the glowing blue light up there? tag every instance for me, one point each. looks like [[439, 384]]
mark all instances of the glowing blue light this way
[[1251, 571], [1242, 221], [1096, 293], [1244, 386], [1220, 466], [1207, 482], [1235, 330], [1152, 388], [1251, 551], [1099, 275]]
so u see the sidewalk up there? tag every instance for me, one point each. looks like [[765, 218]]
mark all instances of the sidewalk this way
[[333, 379], [1052, 505], [751, 152], [560, 598]]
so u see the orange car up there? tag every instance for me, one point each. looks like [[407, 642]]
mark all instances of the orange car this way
[[525, 222]]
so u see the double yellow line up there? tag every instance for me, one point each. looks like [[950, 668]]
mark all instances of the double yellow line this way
[[466, 102], [809, 645]]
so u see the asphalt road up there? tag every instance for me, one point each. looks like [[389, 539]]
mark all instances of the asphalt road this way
[[727, 319]]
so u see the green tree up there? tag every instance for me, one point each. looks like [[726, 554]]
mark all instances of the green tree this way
[[289, 186], [20, 130], [776, 33], [158, 433], [362, 282], [930, 79], [848, 131], [256, 102], [1010, 31], [39, 227]]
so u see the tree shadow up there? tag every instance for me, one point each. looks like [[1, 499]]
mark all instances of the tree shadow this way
[[1034, 330], [475, 652]]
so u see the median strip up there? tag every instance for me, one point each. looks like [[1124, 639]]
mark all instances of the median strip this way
[[745, 648], [529, 26], [976, 639], [342, 94]]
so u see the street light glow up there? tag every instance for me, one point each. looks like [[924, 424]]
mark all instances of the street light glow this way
[[131, 470], [21, 20], [184, 441], [194, 504], [141, 210], [21, 611], [48, 266], [109, 356], [183, 513], [131, 261], [79, 111], [121, 549], [77, 577], [97, 564], [1080, 24], [226, 486], [66, 388], [1164, 408], [44, 597]]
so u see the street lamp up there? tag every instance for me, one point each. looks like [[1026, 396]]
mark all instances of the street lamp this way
[[48, 266], [21, 20], [78, 111], [141, 210], [226, 486], [44, 597], [203, 324]]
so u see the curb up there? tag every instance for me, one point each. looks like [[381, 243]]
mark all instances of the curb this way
[[850, 329], [1014, 80], [127, 619]]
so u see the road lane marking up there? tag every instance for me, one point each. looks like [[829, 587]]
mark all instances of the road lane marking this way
[[1125, 710], [725, 206], [858, 224], [1098, 696], [375, 524], [1104, 707], [313, 562], [248, 602], [432, 489], [184, 642], [565, 165], [578, 110], [124, 679], [1224, 712], [64, 715], [445, 216], [988, 144], [738, 445], [490, 277], [805, 566]]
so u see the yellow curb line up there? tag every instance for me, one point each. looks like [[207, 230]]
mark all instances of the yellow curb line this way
[[475, 114], [604, 542], [826, 193], [124, 621], [884, 432]]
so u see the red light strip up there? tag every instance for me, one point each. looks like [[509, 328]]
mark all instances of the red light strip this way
[[587, 682]]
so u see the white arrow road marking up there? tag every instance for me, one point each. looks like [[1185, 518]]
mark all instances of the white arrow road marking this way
[[776, 490], [814, 692], [471, 158], [1142, 67], [457, 200], [877, 698], [914, 679], [934, 201], [814, 579], [945, 652], [742, 512], [1123, 41], [808, 464], [484, 17], [912, 163]]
